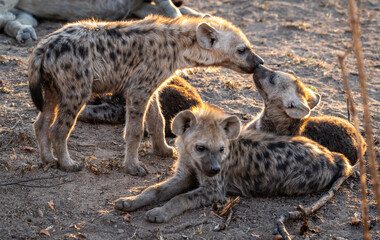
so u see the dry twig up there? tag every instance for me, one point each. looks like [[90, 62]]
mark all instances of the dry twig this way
[[302, 211], [355, 29], [225, 210], [21, 182], [362, 163]]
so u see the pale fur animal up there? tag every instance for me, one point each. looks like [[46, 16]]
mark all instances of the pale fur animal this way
[[214, 161], [16, 16], [132, 58], [287, 107]]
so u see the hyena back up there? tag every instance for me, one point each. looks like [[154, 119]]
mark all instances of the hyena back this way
[[287, 107], [215, 160], [132, 58]]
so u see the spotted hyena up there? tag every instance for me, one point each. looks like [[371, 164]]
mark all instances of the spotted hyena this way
[[132, 58], [287, 107], [215, 160], [175, 96]]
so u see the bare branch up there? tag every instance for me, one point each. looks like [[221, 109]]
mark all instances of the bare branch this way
[[355, 29]]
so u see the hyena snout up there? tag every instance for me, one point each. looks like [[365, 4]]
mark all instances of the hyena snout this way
[[211, 165], [261, 72], [253, 61], [260, 75]]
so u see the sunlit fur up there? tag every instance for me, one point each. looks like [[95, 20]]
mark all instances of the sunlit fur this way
[[337, 134], [254, 164], [131, 58]]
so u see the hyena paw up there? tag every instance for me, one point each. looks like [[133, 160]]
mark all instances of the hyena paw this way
[[49, 159], [70, 166], [26, 34], [125, 204], [136, 170], [165, 151], [157, 215]]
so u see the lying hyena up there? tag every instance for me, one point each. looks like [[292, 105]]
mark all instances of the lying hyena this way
[[175, 96], [214, 160], [287, 107], [132, 58]]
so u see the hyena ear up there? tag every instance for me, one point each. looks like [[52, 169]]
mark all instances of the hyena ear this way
[[231, 126], [297, 108], [182, 121], [313, 99], [207, 36]]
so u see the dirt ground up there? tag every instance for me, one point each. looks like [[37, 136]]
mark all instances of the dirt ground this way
[[303, 37]]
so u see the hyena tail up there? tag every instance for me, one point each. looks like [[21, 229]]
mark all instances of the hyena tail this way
[[35, 77]]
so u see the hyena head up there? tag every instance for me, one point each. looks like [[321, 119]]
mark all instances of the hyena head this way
[[227, 44], [203, 138], [283, 92]]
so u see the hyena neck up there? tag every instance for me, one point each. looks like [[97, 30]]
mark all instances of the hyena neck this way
[[277, 121], [189, 53]]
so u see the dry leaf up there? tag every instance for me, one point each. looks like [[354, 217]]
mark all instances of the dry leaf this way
[[26, 148], [256, 237], [82, 235], [127, 217], [51, 205], [277, 237], [45, 232]]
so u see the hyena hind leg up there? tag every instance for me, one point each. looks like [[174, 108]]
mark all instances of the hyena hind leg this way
[[42, 125], [133, 134], [61, 129], [155, 123]]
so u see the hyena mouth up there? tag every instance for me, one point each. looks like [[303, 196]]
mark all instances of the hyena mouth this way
[[257, 82]]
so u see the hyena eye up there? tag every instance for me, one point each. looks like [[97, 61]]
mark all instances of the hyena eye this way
[[241, 51], [200, 148], [221, 149], [271, 79]]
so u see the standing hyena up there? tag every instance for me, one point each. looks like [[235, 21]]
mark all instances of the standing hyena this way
[[213, 160], [287, 107], [132, 58]]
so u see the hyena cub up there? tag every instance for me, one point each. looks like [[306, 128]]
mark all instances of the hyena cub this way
[[287, 107], [175, 96], [215, 160], [132, 58]]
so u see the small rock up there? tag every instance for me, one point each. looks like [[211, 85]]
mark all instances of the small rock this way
[[120, 231], [40, 213]]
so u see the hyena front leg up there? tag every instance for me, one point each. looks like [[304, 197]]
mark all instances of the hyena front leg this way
[[68, 111], [181, 182], [155, 122], [201, 196], [42, 125]]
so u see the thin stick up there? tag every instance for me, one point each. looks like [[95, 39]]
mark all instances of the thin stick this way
[[44, 186], [228, 206], [30, 180], [302, 211], [362, 162], [354, 22], [229, 218]]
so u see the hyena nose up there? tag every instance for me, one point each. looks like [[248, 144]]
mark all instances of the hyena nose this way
[[215, 169], [260, 60]]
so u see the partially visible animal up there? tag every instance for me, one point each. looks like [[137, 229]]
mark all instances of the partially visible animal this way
[[17, 17], [132, 58], [215, 160], [287, 107], [175, 96]]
